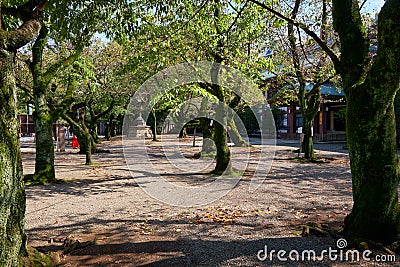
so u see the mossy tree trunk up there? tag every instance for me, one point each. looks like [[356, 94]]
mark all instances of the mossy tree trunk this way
[[43, 117], [371, 139], [234, 134], [370, 85], [223, 157], [94, 132], [12, 200], [107, 132], [397, 116], [88, 144], [370, 88], [309, 109], [208, 136], [46, 114], [108, 127]]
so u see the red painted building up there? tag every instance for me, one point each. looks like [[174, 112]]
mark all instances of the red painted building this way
[[328, 124], [27, 126]]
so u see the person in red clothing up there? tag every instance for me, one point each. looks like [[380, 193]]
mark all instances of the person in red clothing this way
[[75, 143]]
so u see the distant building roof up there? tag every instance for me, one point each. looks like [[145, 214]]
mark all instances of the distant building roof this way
[[328, 89]]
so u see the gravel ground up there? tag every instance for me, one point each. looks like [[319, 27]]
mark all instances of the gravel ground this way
[[103, 201]]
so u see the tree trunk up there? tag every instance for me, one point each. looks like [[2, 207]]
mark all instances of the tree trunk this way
[[371, 138], [107, 132], [307, 144], [183, 133], [88, 151], [113, 129], [208, 143], [309, 110], [370, 88], [109, 127], [397, 116], [223, 157], [154, 125], [12, 200], [94, 132], [208, 147], [12, 193], [44, 161], [85, 142], [235, 135]]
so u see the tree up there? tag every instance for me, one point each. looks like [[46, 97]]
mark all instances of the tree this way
[[99, 87], [12, 202], [317, 73], [45, 115], [306, 67], [218, 31], [54, 38], [370, 85]]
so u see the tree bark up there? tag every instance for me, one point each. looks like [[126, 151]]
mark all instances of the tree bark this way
[[12, 200], [44, 161], [154, 125], [94, 120], [371, 140], [86, 142], [223, 157], [208, 146], [235, 135], [309, 110], [308, 145], [370, 88], [87, 138]]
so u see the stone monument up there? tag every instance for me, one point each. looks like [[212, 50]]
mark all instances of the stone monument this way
[[139, 128]]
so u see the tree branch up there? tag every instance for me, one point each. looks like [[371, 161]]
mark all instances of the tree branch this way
[[51, 71], [319, 84], [386, 67], [354, 46], [321, 43], [239, 13], [101, 114], [25, 88]]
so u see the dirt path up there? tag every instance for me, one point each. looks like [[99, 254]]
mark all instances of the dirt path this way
[[132, 229]]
